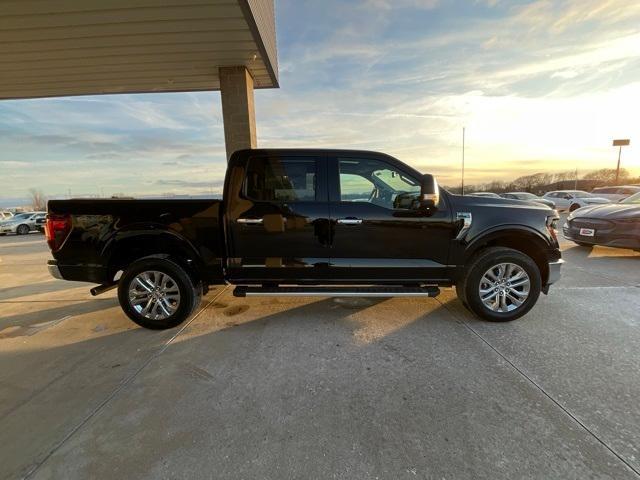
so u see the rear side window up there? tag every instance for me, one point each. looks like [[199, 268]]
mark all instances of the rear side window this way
[[276, 179]]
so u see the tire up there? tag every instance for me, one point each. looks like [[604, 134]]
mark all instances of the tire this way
[[166, 311], [574, 207], [482, 263], [22, 229]]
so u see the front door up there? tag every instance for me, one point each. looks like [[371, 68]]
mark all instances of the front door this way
[[378, 233], [277, 219]]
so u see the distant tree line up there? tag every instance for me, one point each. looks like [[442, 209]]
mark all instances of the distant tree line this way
[[540, 183]]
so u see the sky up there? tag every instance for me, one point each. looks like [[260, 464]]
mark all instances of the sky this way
[[538, 85]]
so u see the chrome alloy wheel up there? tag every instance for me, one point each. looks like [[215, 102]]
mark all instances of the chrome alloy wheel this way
[[154, 295], [504, 287]]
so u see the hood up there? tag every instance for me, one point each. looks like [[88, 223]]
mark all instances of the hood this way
[[611, 211], [471, 200]]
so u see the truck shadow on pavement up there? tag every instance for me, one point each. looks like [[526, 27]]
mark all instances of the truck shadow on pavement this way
[[66, 309], [51, 286]]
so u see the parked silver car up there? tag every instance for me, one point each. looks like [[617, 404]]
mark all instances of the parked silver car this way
[[23, 223], [615, 194], [530, 197], [573, 199], [483, 194]]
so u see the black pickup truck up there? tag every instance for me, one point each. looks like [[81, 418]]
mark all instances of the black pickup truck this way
[[309, 222]]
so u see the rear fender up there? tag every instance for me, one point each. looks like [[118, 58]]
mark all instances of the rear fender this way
[[126, 246]]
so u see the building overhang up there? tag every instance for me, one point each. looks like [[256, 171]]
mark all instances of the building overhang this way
[[88, 47]]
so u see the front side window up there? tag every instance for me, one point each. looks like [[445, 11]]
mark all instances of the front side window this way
[[274, 179], [374, 181]]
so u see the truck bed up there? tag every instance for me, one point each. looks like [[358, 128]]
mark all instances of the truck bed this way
[[107, 233]]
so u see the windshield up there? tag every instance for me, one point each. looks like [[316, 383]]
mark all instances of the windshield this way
[[525, 196], [633, 199], [21, 216]]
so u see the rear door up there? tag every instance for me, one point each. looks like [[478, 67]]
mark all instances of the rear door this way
[[277, 219], [378, 234]]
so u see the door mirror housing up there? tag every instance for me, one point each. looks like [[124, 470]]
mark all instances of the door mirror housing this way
[[429, 192], [568, 197]]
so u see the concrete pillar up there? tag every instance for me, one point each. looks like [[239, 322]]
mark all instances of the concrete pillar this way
[[238, 111]]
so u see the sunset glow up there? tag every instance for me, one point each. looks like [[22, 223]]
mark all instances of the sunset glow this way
[[539, 86]]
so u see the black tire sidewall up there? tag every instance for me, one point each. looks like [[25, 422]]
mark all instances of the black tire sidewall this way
[[189, 297], [21, 230], [493, 257]]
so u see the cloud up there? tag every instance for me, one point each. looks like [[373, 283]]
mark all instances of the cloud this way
[[539, 85]]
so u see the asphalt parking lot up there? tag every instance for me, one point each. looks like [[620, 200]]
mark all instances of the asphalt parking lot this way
[[321, 388]]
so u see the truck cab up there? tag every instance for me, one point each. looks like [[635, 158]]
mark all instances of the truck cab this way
[[310, 222]]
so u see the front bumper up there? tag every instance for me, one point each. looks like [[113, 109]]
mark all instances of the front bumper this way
[[554, 271], [607, 233], [8, 228]]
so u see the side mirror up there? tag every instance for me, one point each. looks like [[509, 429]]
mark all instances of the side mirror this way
[[429, 192], [568, 197]]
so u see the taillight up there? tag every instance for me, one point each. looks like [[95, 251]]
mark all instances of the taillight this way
[[57, 230]]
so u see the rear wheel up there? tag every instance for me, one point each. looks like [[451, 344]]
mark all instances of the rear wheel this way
[[22, 229], [157, 293], [501, 284]]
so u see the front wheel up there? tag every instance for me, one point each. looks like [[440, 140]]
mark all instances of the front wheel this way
[[574, 207], [22, 229], [157, 293], [501, 284]]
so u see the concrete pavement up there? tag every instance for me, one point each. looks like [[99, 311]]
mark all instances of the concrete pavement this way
[[321, 388]]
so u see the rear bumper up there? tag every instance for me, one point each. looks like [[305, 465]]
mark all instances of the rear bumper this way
[[78, 273], [54, 271]]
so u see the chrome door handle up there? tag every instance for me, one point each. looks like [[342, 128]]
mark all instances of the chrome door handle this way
[[349, 221], [250, 221]]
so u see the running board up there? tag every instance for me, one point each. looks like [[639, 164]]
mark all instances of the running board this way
[[246, 291]]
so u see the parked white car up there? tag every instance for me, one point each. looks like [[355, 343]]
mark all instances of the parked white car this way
[[5, 215], [573, 199], [23, 223], [615, 194]]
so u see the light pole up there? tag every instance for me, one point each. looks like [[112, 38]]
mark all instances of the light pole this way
[[622, 142], [462, 192]]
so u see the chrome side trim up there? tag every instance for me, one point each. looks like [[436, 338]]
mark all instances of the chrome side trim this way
[[467, 219], [349, 221], [250, 221]]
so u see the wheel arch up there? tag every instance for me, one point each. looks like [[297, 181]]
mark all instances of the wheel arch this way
[[523, 239], [127, 247]]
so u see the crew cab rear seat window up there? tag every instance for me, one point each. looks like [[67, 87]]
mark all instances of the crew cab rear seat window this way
[[273, 179]]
